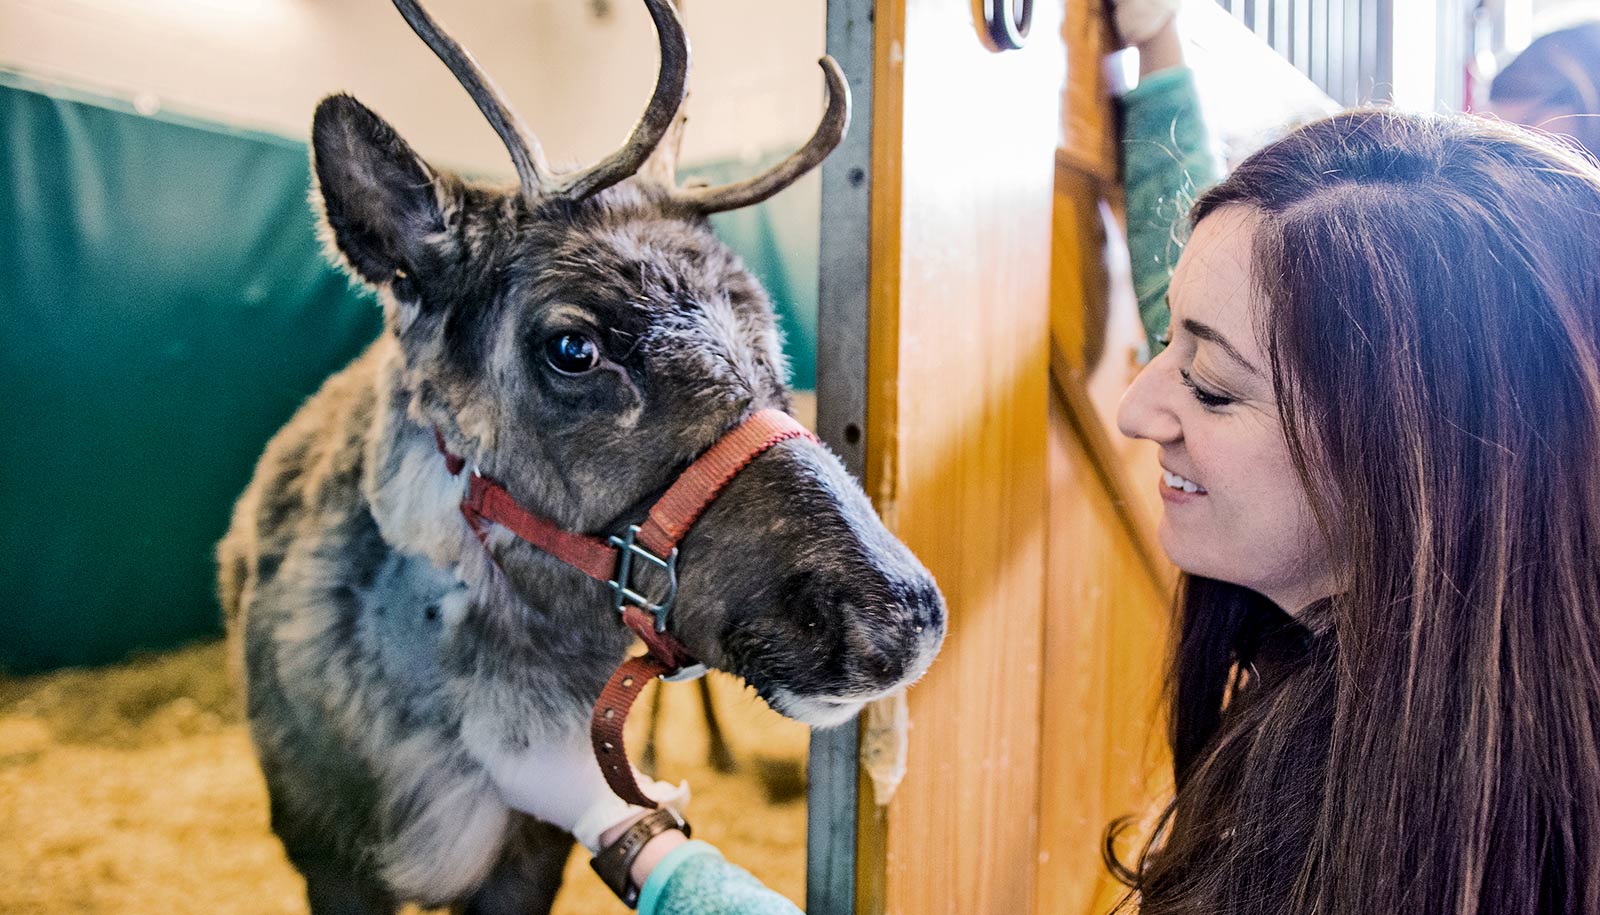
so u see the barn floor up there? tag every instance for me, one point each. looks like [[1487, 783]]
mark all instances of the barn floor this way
[[132, 789]]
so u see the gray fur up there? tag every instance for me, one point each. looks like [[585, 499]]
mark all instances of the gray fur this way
[[385, 655]]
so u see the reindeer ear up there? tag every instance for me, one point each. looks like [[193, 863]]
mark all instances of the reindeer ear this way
[[381, 201]]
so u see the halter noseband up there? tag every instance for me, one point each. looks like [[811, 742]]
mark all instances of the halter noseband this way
[[614, 560]]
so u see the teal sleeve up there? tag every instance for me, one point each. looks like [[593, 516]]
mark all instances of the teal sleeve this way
[[1166, 161], [694, 879]]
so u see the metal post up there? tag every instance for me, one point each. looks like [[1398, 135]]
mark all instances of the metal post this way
[[842, 423]]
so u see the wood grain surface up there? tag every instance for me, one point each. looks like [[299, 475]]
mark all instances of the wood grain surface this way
[[990, 456], [963, 168]]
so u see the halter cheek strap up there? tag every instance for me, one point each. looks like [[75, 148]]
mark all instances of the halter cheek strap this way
[[614, 560]]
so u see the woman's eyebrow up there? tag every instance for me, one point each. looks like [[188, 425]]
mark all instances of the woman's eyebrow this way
[[1211, 335]]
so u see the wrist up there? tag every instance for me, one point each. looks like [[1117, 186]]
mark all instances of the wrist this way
[[631, 849], [615, 832], [652, 852], [608, 818], [1161, 51]]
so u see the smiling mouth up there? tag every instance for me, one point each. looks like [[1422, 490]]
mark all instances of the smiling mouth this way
[[1173, 481]]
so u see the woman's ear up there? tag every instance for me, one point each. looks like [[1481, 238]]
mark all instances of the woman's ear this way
[[382, 204]]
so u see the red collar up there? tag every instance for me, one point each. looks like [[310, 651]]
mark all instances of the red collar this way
[[612, 560]]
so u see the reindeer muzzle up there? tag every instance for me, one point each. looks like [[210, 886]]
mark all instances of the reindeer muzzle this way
[[615, 560]]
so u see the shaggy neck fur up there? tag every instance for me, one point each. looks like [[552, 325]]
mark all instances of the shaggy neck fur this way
[[529, 618]]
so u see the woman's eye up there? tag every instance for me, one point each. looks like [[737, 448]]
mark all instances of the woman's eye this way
[[1207, 399], [571, 354]]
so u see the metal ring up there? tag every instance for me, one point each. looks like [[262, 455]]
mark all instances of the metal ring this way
[[1009, 22]]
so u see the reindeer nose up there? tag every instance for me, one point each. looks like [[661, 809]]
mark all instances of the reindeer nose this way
[[927, 607], [891, 637], [919, 633]]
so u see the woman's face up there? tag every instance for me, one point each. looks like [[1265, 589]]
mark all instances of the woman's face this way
[[1233, 506]]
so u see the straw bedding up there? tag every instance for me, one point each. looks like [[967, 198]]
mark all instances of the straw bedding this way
[[132, 789]]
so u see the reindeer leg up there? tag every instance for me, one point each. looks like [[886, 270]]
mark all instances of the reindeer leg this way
[[526, 879], [334, 890], [721, 757]]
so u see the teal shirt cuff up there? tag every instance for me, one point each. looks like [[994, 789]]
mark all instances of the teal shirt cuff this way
[[656, 883], [693, 879], [1162, 82]]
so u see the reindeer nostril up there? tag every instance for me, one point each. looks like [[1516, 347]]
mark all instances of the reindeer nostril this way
[[887, 667], [927, 609]]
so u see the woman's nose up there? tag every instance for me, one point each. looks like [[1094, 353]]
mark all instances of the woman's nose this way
[[1145, 411]]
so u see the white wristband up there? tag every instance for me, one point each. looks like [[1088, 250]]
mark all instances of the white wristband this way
[[602, 815], [611, 810]]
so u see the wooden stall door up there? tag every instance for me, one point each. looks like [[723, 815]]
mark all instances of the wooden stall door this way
[[1001, 333], [986, 452], [1105, 638], [962, 173]]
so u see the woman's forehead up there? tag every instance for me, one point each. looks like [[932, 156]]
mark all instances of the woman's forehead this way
[[1212, 282]]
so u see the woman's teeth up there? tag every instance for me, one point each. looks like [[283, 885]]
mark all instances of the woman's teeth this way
[[1177, 482]]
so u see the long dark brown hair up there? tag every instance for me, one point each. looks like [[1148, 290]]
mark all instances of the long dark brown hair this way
[[1427, 740]]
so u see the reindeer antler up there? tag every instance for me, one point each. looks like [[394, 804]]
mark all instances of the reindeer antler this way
[[671, 83], [829, 133], [659, 117], [533, 172]]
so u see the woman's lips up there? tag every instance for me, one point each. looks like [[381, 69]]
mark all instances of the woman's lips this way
[[1179, 490]]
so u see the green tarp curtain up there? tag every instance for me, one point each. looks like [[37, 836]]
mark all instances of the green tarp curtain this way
[[165, 306]]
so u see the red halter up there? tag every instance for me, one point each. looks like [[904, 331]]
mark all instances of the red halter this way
[[655, 542]]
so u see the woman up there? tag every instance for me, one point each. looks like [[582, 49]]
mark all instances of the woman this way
[[1378, 419]]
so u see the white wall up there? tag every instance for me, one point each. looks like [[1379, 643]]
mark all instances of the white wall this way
[[579, 79]]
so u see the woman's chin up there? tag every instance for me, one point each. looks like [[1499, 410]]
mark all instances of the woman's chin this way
[[1178, 548]]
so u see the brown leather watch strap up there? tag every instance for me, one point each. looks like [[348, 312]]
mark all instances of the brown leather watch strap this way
[[614, 862]]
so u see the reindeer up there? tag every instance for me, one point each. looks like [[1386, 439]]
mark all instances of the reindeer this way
[[579, 339]]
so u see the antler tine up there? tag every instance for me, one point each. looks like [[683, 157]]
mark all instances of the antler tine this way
[[671, 83], [662, 166], [835, 121], [526, 154]]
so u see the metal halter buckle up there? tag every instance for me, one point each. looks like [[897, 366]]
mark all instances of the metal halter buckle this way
[[622, 591], [685, 674]]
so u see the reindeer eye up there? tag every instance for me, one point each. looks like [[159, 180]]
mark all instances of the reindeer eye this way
[[571, 354]]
